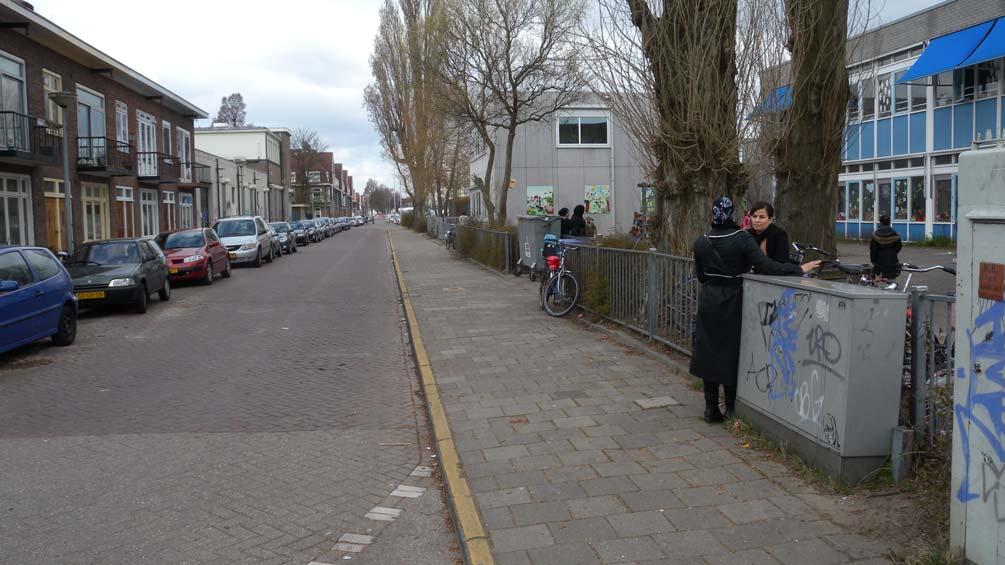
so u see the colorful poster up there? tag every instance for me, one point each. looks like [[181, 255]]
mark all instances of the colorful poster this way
[[599, 198], [540, 201]]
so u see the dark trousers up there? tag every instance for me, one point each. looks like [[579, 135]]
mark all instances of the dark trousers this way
[[712, 396]]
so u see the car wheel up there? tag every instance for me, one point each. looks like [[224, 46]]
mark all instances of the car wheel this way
[[165, 292], [226, 272], [66, 330], [209, 273], [258, 258], [141, 300], [269, 257]]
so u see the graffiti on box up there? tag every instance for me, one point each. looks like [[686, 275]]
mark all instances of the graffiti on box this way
[[981, 414]]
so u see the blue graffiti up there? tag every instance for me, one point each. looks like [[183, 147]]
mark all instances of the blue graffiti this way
[[782, 346], [991, 350]]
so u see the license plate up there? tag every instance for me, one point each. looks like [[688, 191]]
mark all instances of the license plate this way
[[233, 255], [173, 271], [90, 295]]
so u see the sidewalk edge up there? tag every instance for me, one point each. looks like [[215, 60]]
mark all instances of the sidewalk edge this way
[[474, 539]]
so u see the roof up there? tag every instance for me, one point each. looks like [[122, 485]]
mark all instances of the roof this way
[[47, 33], [240, 129]]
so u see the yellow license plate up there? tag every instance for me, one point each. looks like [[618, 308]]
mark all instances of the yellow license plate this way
[[90, 295], [233, 255], [172, 271]]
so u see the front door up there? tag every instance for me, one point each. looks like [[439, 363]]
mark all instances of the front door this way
[[55, 237], [15, 211], [146, 144]]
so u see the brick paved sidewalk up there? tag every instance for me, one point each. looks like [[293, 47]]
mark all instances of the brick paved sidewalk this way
[[567, 468]]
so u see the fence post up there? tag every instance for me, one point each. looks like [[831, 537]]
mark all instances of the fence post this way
[[506, 268], [919, 367], [652, 300]]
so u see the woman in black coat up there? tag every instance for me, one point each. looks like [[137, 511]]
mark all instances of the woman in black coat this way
[[721, 257], [772, 240], [577, 226]]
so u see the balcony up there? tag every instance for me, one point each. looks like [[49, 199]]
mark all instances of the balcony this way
[[157, 167], [105, 157], [199, 174], [25, 140]]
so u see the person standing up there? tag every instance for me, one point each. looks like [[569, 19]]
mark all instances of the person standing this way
[[773, 240], [884, 250], [577, 225], [721, 257], [566, 224]]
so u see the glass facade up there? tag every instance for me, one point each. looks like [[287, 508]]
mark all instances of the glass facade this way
[[902, 143]]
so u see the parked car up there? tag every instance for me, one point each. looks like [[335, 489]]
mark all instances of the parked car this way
[[299, 231], [36, 298], [359, 220], [277, 248], [329, 226], [287, 239], [119, 271], [343, 224], [194, 255], [247, 238], [313, 230]]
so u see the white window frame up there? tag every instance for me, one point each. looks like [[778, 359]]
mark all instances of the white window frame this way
[[153, 204], [57, 110], [92, 231], [170, 210], [182, 136], [583, 113], [25, 199], [126, 195], [166, 127], [122, 124], [23, 78], [186, 210]]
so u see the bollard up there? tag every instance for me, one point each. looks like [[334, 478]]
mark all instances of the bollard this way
[[902, 453]]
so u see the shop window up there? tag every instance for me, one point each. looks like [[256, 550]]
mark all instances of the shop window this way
[[868, 89], [868, 201], [901, 92], [842, 209], [918, 199], [885, 197], [943, 87], [900, 199], [854, 209], [885, 95], [943, 198]]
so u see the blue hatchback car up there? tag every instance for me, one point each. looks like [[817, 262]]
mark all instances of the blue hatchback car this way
[[36, 298]]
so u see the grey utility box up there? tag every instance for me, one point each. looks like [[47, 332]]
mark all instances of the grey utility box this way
[[530, 231], [977, 505], [821, 365]]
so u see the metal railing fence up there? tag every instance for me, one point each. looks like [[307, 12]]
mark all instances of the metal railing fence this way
[[928, 368], [492, 248]]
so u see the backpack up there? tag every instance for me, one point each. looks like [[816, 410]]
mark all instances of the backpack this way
[[550, 248]]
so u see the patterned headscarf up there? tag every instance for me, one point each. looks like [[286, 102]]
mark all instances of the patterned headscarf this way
[[722, 212]]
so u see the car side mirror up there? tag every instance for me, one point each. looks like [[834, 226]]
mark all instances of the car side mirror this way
[[9, 286], [63, 256]]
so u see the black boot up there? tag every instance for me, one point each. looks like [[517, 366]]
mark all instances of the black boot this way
[[712, 414], [730, 401]]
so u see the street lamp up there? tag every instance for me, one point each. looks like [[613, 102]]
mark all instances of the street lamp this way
[[66, 100]]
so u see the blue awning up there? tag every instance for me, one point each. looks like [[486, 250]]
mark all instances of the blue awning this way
[[777, 100], [991, 48], [948, 52]]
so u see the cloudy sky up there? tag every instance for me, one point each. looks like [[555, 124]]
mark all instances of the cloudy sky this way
[[298, 63]]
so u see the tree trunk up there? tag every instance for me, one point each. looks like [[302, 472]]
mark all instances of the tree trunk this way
[[507, 174], [486, 188], [808, 156]]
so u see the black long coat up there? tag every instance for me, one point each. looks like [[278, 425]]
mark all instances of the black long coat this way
[[720, 258], [776, 243]]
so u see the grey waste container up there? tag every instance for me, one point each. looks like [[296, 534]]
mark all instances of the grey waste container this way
[[821, 365], [530, 231]]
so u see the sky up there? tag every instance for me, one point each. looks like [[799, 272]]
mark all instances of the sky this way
[[298, 63]]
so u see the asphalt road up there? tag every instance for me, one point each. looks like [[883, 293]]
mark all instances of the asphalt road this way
[[253, 421]]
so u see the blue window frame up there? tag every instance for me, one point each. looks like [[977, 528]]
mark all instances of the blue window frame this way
[[943, 128], [986, 119], [918, 131], [883, 138], [900, 135], [866, 141], [963, 125]]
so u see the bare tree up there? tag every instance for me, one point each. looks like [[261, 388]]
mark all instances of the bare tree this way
[[232, 110], [512, 63], [306, 147]]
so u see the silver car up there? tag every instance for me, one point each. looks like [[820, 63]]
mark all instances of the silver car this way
[[248, 239]]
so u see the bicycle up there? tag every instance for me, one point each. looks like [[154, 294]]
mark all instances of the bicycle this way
[[450, 242], [560, 290]]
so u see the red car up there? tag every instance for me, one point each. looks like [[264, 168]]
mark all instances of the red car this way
[[194, 255]]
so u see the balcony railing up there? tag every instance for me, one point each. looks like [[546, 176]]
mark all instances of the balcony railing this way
[[100, 155], [161, 167], [200, 174], [28, 140]]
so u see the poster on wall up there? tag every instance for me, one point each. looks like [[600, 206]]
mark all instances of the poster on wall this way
[[599, 198], [540, 201]]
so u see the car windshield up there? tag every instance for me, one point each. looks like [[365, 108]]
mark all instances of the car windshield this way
[[108, 253], [181, 240], [309, 223], [235, 227], [281, 227], [296, 226]]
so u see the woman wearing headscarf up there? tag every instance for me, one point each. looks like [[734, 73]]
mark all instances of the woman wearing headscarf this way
[[577, 226], [721, 257]]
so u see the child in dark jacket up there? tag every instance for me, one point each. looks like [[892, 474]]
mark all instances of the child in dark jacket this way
[[884, 250]]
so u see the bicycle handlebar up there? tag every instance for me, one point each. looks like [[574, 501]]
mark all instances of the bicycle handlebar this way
[[802, 248], [916, 269]]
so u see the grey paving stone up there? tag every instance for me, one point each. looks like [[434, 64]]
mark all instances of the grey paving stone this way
[[859, 547], [540, 513], [658, 481], [565, 554], [521, 479], [696, 518], [747, 557], [584, 529], [550, 447], [508, 452], [593, 443], [637, 524], [627, 550], [651, 500], [556, 491], [505, 497], [583, 457], [527, 537], [705, 496], [570, 474], [707, 477], [610, 485], [618, 469], [673, 450], [751, 511], [498, 518], [575, 422], [807, 551], [512, 558], [696, 543], [595, 506]]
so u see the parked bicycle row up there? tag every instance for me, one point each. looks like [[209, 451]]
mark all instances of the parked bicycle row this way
[[41, 294]]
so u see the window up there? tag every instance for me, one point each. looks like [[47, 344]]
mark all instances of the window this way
[[986, 79], [169, 198], [43, 263], [853, 102], [170, 211], [885, 197], [314, 176], [868, 98], [184, 151], [963, 84], [943, 198], [51, 82], [884, 94], [12, 99], [942, 160], [919, 95], [15, 210], [900, 199], [884, 165], [148, 213], [842, 208], [868, 201], [853, 202], [95, 204], [901, 101], [90, 126], [918, 199], [13, 268], [122, 125], [582, 130], [943, 87], [124, 198], [186, 211], [166, 137], [293, 177], [124, 193]]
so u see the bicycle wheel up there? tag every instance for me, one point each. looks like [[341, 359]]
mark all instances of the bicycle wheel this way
[[560, 295]]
